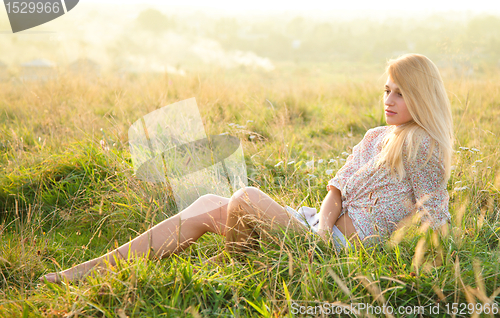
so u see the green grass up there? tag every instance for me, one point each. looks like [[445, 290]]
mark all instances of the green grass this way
[[64, 199]]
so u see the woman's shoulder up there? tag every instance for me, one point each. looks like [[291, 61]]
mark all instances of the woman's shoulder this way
[[380, 129], [377, 131], [374, 135]]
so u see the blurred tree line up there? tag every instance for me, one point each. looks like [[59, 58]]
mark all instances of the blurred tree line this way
[[362, 40], [303, 39], [470, 44]]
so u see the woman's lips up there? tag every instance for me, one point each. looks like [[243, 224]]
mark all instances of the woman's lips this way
[[389, 113]]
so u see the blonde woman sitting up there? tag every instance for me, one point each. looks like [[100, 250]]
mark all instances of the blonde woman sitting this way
[[395, 171]]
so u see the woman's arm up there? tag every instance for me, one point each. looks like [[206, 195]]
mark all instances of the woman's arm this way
[[329, 211]]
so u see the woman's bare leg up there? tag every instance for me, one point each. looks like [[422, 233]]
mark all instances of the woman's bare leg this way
[[207, 214], [247, 208], [210, 213]]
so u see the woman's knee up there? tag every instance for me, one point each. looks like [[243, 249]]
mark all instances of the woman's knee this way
[[244, 201], [205, 205], [245, 194]]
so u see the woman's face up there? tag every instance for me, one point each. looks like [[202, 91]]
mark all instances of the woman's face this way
[[396, 112]]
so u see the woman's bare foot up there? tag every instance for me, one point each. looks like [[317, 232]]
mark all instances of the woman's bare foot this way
[[75, 273], [56, 277]]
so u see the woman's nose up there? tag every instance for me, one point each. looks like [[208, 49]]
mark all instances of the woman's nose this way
[[388, 101]]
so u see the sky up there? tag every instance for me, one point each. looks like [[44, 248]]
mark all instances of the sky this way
[[321, 9], [475, 6]]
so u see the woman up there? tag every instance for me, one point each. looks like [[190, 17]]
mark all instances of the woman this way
[[394, 171]]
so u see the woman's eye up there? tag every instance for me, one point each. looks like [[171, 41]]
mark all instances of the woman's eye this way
[[388, 92]]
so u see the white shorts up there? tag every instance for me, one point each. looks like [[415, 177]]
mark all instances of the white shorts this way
[[310, 218]]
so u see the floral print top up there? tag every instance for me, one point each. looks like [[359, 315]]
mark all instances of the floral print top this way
[[376, 202]]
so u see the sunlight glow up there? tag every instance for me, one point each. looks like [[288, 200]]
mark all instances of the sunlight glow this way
[[359, 5]]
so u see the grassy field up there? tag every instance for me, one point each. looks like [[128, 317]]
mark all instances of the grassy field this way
[[65, 199]]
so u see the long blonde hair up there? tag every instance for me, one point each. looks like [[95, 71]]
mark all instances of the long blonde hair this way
[[423, 91]]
